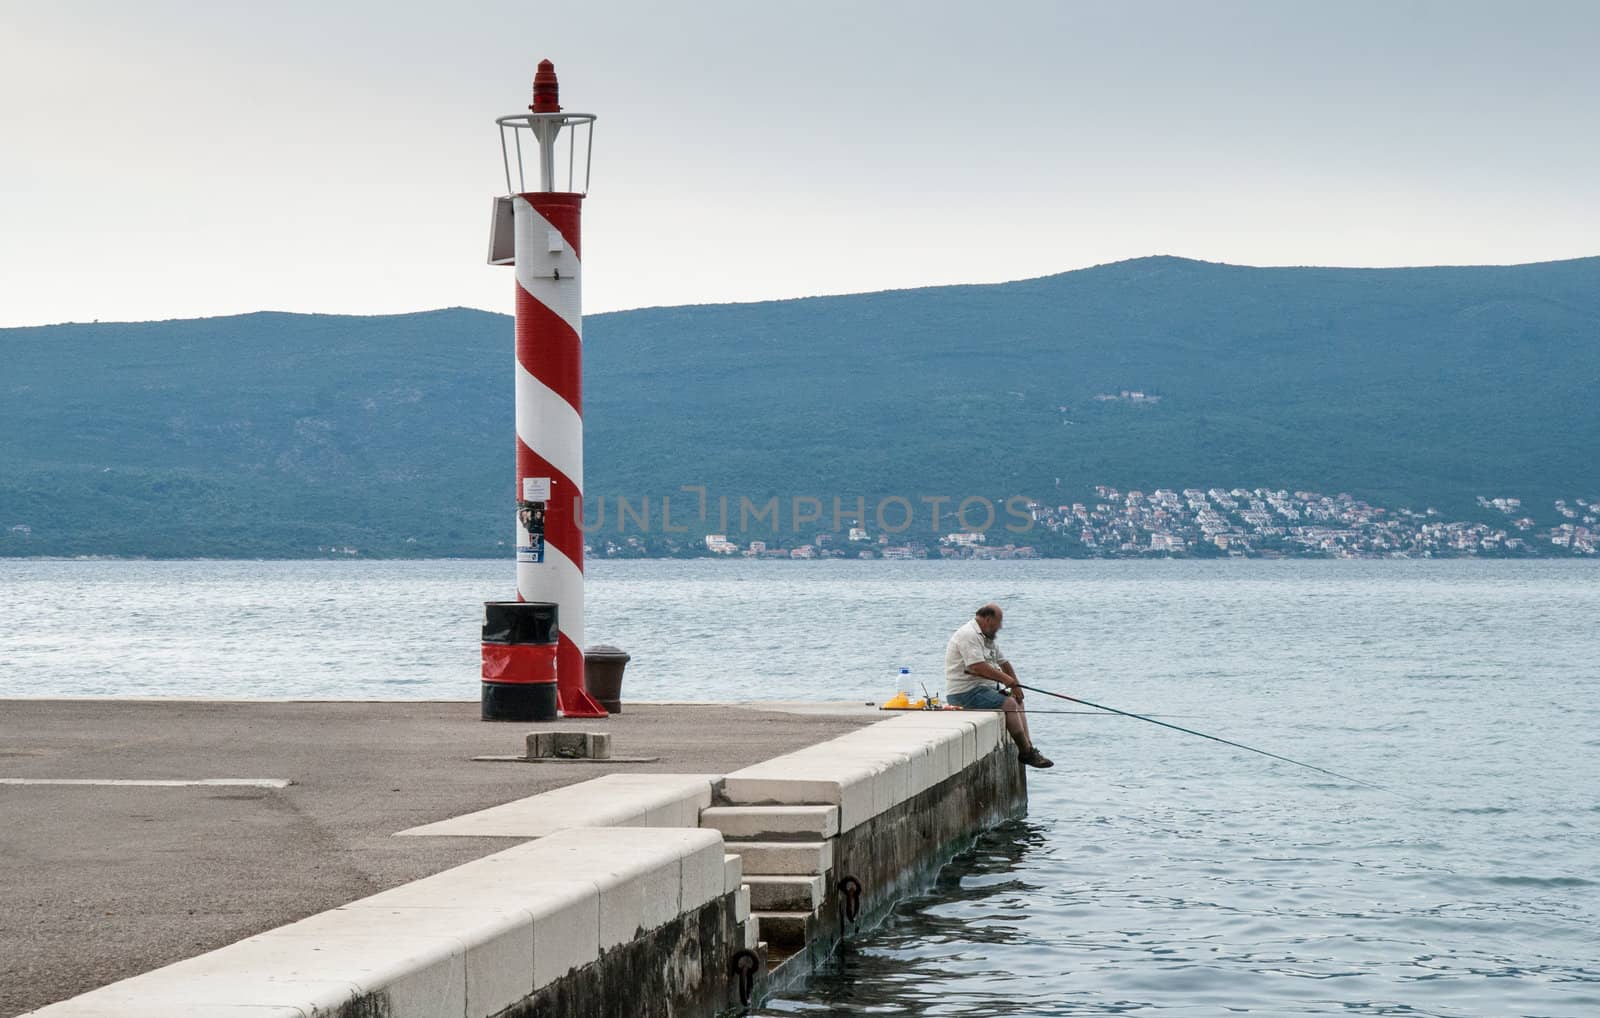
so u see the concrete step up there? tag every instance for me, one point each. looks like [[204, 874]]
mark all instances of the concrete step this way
[[772, 823], [776, 955], [785, 894], [782, 858], [786, 929], [816, 776]]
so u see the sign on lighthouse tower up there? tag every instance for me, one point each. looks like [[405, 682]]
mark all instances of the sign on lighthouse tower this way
[[536, 229]]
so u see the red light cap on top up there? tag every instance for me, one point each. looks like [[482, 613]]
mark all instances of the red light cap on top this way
[[546, 92]]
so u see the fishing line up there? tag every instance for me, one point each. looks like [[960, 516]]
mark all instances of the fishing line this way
[[1093, 714], [1214, 738]]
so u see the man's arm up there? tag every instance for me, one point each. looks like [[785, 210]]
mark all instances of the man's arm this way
[[1007, 678]]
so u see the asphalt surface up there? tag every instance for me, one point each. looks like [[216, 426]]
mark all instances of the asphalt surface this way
[[98, 883]]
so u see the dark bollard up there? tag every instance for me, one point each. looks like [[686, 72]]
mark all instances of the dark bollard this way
[[602, 675], [519, 661]]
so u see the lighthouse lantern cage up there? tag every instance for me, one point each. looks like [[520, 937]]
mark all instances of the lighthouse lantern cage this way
[[546, 137]]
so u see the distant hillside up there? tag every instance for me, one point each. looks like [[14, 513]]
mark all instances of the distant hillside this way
[[276, 434]]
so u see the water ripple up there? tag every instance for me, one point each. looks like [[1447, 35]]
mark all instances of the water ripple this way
[[1157, 874]]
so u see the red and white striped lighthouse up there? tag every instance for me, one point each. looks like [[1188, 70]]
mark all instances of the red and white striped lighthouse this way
[[537, 231]]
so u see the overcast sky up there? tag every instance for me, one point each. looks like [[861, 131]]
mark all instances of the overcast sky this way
[[173, 159]]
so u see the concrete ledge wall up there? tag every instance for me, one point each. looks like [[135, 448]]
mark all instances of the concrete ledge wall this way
[[470, 942], [872, 770], [899, 852], [887, 804], [615, 800], [622, 905], [676, 970]]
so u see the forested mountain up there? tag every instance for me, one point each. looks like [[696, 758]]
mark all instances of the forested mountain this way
[[279, 435]]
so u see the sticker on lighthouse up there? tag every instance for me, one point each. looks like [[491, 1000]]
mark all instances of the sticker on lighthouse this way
[[536, 489], [530, 531]]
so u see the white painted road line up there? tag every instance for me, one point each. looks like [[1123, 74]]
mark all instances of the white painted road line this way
[[153, 783]]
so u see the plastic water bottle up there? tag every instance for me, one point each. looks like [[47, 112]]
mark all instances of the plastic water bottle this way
[[904, 683]]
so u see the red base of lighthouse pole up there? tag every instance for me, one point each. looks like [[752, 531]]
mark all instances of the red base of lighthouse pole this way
[[571, 695]]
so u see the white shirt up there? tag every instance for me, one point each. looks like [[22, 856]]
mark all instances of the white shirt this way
[[968, 647]]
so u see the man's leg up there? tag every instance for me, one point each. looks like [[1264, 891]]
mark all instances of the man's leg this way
[[1017, 725]]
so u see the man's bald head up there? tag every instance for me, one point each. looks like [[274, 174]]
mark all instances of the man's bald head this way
[[989, 618]]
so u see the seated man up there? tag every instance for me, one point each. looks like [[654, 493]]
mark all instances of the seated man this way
[[978, 677]]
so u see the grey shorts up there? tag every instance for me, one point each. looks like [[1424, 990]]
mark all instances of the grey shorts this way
[[982, 698]]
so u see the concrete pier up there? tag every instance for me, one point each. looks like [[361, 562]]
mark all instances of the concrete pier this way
[[360, 861], [876, 811]]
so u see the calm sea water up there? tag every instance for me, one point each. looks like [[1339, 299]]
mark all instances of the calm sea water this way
[[1155, 873]]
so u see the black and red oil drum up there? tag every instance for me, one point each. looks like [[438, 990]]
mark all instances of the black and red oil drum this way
[[519, 661]]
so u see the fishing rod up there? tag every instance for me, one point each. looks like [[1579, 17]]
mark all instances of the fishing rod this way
[[1030, 710], [1094, 714], [1214, 738]]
